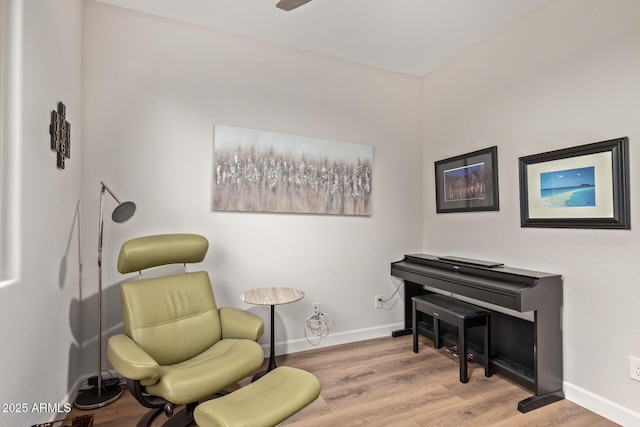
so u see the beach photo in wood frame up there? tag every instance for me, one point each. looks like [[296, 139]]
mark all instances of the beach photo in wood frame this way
[[586, 186]]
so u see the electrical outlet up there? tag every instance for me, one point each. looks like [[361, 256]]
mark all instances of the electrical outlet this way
[[315, 307], [378, 301], [634, 368]]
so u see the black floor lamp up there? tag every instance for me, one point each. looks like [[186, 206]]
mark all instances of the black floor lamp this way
[[103, 394]]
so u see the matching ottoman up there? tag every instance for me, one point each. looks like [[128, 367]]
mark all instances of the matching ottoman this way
[[264, 403]]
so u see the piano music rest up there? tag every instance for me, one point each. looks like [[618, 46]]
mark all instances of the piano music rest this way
[[456, 313]]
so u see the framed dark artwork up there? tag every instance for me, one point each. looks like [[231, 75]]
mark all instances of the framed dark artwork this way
[[586, 186], [468, 182]]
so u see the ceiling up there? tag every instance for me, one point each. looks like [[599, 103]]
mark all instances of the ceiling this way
[[408, 36]]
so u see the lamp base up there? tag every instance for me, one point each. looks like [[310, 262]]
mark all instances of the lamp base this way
[[90, 399]]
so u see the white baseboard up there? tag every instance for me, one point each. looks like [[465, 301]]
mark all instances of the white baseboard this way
[[303, 344], [68, 399], [601, 406]]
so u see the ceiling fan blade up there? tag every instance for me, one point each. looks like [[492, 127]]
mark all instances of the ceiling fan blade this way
[[290, 4]]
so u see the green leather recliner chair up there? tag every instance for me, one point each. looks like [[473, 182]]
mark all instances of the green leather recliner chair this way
[[178, 347]]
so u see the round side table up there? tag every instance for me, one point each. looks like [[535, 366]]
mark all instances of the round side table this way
[[272, 297]]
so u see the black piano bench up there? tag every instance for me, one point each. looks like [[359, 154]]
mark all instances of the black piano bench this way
[[456, 313]]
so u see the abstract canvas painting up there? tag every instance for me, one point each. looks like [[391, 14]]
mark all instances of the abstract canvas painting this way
[[264, 171]]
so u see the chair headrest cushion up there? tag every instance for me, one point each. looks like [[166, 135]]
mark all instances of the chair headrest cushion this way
[[162, 249]]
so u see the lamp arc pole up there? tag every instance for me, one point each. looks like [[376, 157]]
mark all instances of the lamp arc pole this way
[[104, 394]]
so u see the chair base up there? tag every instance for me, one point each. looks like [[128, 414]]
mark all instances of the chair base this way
[[158, 406], [179, 419]]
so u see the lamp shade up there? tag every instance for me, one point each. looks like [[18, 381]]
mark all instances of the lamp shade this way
[[123, 212]]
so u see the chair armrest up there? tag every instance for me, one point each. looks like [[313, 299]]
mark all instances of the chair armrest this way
[[238, 323], [130, 360]]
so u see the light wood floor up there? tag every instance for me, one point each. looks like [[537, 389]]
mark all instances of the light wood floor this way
[[382, 382]]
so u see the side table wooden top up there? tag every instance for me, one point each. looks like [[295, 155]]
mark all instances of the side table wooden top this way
[[271, 296]]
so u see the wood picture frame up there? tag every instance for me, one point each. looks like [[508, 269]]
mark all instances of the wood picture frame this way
[[468, 182], [586, 186]]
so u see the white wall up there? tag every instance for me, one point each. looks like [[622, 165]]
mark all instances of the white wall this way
[[566, 75], [143, 122], [38, 320], [153, 90]]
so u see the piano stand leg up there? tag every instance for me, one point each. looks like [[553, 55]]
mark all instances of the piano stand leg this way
[[402, 332], [535, 402], [487, 347], [414, 330]]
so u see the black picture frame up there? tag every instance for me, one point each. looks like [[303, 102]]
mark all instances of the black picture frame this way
[[468, 183], [585, 186]]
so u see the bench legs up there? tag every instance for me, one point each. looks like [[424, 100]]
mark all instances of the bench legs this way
[[462, 341], [462, 345]]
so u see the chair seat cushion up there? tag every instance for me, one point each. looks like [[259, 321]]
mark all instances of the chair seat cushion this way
[[221, 365], [264, 403]]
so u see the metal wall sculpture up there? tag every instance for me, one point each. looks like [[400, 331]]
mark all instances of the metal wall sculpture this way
[[60, 131], [262, 171]]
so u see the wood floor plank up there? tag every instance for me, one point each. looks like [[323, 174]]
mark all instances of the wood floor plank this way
[[402, 408], [381, 382]]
